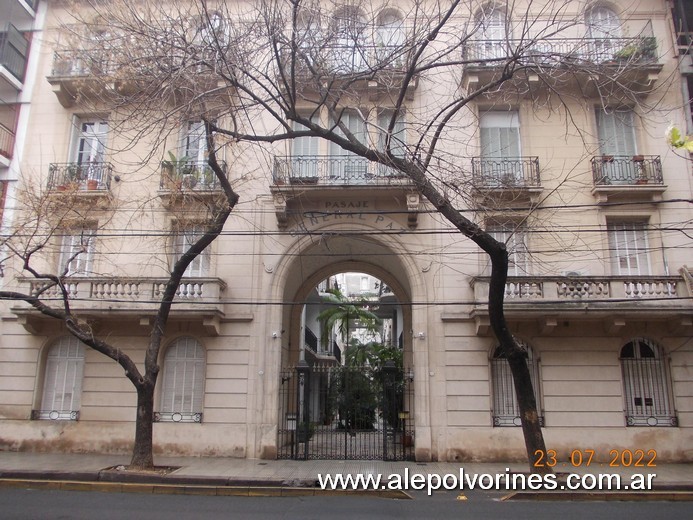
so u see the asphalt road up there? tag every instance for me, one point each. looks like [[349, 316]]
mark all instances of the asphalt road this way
[[49, 504]]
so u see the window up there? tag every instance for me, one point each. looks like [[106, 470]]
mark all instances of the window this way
[[491, 34], [62, 381], [184, 238], [88, 151], [304, 151], [618, 147], [194, 143], [515, 238], [646, 385], [500, 148], [390, 38], [628, 247], [506, 411], [398, 140], [77, 248], [349, 41], [346, 167], [603, 27], [183, 382]]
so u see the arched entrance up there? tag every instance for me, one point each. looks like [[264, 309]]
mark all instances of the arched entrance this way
[[347, 395]]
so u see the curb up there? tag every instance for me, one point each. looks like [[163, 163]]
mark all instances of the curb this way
[[252, 490], [632, 496]]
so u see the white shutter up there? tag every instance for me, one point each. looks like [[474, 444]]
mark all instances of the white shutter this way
[[193, 144], [398, 141], [62, 385], [183, 240], [91, 141], [616, 132], [184, 376], [628, 247], [77, 248]]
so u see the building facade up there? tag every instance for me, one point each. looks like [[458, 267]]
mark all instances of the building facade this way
[[598, 292]]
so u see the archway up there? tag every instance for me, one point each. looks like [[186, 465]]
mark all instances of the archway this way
[[332, 404]]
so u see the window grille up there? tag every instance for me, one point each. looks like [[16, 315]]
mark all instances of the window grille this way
[[62, 382], [506, 411], [647, 390], [183, 382]]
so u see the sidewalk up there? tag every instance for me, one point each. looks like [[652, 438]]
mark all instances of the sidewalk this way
[[253, 473]]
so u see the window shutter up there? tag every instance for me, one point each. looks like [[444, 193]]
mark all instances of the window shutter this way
[[184, 374], [616, 133], [628, 247], [62, 386]]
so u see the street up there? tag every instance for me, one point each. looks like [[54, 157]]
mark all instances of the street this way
[[49, 504]]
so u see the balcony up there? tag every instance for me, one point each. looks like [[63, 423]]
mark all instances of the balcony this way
[[319, 179], [7, 137], [189, 179], [512, 178], [14, 50], [81, 72], [103, 298], [616, 300], [91, 180], [366, 67], [578, 62], [617, 176]]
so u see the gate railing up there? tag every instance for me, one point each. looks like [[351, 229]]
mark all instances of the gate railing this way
[[346, 413]]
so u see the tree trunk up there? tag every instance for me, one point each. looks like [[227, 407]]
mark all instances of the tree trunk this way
[[142, 452], [524, 390]]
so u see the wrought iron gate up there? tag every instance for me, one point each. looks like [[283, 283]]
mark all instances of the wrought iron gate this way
[[346, 412]]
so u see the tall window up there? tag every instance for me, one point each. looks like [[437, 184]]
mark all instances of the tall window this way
[[500, 148], [89, 141], [390, 38], [304, 151], [62, 381], [491, 34], [603, 27], [350, 47], [515, 238], [506, 411], [398, 139], [77, 248], [183, 382], [194, 144], [184, 238], [88, 151], [628, 247], [346, 167], [617, 139], [646, 385]]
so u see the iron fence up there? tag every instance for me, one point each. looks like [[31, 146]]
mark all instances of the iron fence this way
[[333, 170], [506, 172], [340, 412], [80, 176]]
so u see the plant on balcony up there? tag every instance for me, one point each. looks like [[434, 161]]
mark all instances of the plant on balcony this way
[[643, 49], [174, 170]]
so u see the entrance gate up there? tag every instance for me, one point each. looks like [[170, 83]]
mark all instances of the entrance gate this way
[[346, 413]]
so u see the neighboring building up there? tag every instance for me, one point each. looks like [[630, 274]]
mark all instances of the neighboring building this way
[[19, 23], [597, 289]]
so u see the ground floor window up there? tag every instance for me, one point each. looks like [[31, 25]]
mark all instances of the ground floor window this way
[[62, 381], [183, 382]]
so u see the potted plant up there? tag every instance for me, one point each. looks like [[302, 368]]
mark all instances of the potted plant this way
[[172, 169], [73, 176], [92, 184]]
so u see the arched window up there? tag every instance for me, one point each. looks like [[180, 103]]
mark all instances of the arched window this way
[[390, 38], [350, 45], [604, 29], [506, 411], [647, 390], [62, 381], [183, 382], [491, 34]]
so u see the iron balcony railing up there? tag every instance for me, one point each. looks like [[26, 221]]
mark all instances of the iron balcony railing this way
[[189, 175], [506, 172], [6, 142], [13, 51], [80, 176], [640, 49], [333, 170], [626, 170], [81, 63], [350, 56]]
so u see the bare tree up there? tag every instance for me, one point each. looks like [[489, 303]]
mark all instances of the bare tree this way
[[274, 71]]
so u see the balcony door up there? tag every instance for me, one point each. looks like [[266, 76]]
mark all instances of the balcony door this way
[[617, 145], [628, 248], [500, 148], [350, 47], [305, 163], [491, 35], [346, 167], [88, 151], [603, 29]]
